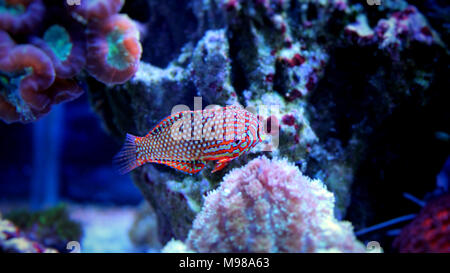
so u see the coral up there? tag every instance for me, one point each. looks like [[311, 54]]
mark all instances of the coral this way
[[29, 84], [98, 9], [11, 240], [176, 246], [113, 49], [65, 49], [269, 206], [61, 41], [26, 73], [20, 16], [51, 227], [429, 231]]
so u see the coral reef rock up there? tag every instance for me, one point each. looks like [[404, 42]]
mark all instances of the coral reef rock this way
[[342, 83]]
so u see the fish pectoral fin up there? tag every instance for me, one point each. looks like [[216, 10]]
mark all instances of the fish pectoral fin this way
[[190, 167], [220, 164]]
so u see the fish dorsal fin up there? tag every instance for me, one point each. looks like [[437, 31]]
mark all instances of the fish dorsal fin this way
[[165, 123], [189, 167]]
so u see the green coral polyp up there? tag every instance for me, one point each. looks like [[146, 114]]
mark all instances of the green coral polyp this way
[[16, 9], [117, 53], [59, 41], [9, 89]]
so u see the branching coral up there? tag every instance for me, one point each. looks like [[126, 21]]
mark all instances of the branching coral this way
[[114, 50], [269, 206]]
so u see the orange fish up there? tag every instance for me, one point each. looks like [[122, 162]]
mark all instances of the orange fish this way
[[187, 140]]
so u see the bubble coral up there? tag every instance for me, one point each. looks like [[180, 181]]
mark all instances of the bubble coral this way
[[20, 16], [269, 206], [113, 48], [429, 231]]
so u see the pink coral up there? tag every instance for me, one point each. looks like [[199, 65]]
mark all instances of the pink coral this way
[[269, 206]]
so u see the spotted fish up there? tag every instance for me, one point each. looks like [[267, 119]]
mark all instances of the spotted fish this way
[[187, 140]]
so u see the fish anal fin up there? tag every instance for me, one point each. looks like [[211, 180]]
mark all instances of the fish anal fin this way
[[190, 167]]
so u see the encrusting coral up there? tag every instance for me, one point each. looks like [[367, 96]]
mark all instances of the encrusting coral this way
[[270, 206], [429, 231], [57, 41]]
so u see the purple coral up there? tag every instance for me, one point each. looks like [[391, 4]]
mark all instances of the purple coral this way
[[65, 48], [269, 206], [98, 9], [27, 71], [29, 84], [20, 16], [30, 72], [114, 49]]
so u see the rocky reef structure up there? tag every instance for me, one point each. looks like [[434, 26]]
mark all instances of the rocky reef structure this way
[[11, 240], [269, 206], [52, 227], [353, 94], [45, 46], [347, 82]]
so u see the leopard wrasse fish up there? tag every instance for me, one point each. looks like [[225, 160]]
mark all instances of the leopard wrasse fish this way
[[187, 140]]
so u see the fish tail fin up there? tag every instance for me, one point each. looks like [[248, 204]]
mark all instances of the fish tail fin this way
[[127, 158]]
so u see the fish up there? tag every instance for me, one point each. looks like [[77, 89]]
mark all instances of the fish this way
[[188, 140]]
